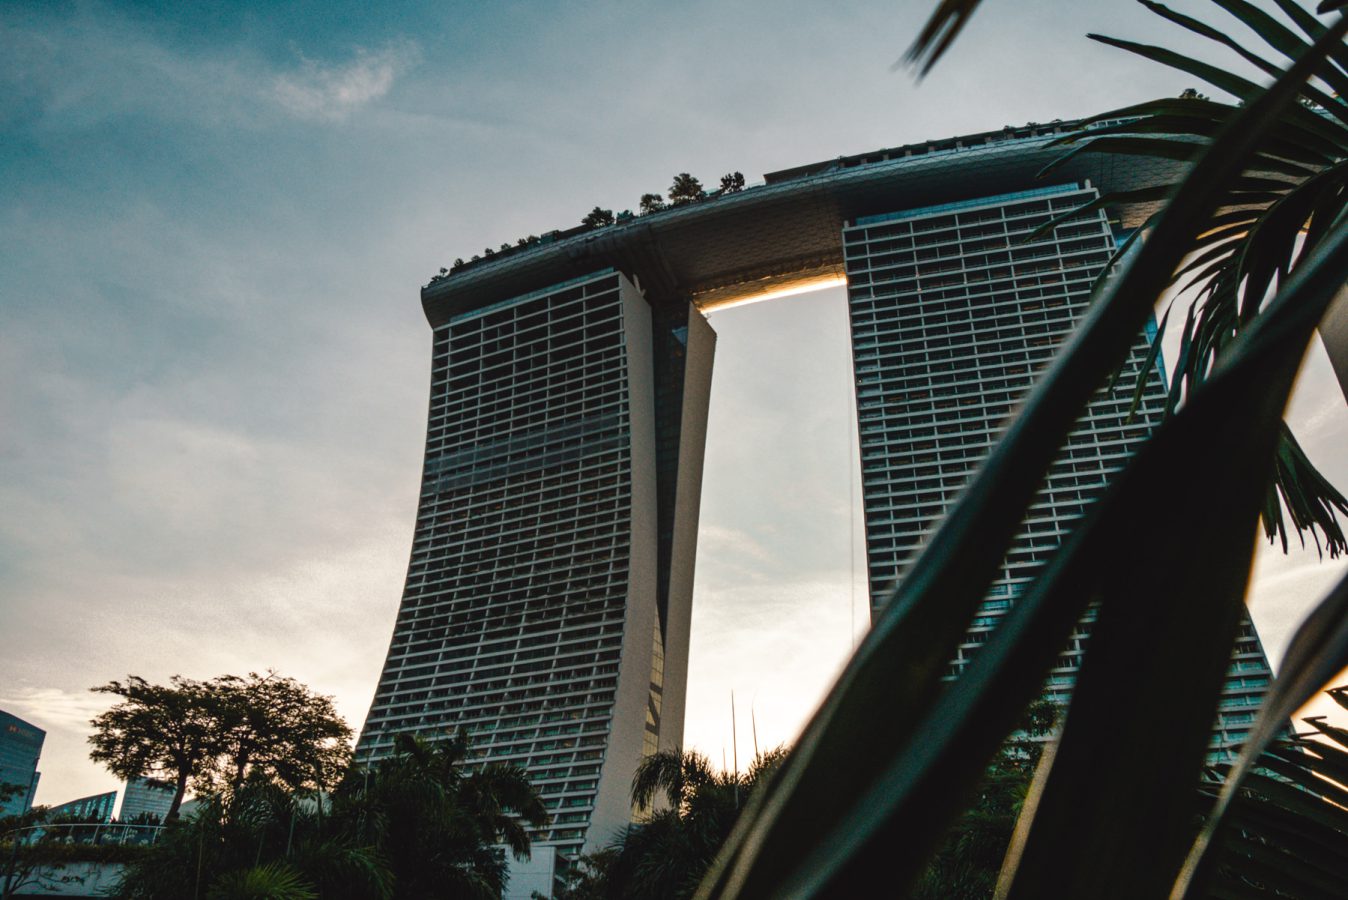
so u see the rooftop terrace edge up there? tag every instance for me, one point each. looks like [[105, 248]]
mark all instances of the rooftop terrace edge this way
[[788, 230]]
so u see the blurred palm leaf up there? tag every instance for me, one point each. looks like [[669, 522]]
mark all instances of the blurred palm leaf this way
[[886, 762], [1297, 186], [1317, 652], [1124, 698], [1287, 825], [945, 24]]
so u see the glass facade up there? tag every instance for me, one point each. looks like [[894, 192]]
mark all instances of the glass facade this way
[[145, 802], [954, 311], [548, 598], [96, 808], [535, 616], [20, 748]]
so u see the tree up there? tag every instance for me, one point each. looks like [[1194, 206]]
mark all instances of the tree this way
[[966, 864], [883, 768], [689, 811], [732, 183], [685, 189], [263, 841], [651, 203], [19, 866], [9, 790], [169, 732], [435, 822], [215, 735], [598, 218], [275, 729]]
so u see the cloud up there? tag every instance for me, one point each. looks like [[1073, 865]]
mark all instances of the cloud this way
[[54, 707], [331, 93], [100, 64]]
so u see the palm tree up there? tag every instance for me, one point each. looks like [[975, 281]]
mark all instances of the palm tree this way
[[418, 824], [260, 840], [892, 755], [439, 822], [273, 881], [689, 810], [1288, 824]]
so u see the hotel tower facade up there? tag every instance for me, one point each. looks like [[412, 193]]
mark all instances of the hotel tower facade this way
[[548, 598]]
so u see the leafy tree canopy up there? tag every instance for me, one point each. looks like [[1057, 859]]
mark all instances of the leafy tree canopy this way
[[215, 735], [732, 183], [597, 218], [168, 731], [275, 729], [685, 189]]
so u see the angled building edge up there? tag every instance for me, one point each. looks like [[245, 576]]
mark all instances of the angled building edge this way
[[548, 598]]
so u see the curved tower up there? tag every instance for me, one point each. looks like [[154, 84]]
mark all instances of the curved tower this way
[[548, 598], [547, 603]]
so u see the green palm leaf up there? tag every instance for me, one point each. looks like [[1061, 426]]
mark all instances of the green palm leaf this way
[[831, 779], [273, 881]]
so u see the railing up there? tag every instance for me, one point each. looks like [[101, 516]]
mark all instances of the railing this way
[[101, 834]]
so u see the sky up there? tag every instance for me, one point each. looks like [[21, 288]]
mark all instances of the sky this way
[[214, 222]]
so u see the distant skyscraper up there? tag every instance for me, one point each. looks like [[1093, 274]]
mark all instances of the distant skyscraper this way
[[20, 748], [955, 309], [144, 799], [94, 808], [547, 603]]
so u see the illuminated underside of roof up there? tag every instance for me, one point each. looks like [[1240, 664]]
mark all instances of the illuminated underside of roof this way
[[786, 236]]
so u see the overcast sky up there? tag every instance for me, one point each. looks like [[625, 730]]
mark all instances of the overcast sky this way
[[214, 222]]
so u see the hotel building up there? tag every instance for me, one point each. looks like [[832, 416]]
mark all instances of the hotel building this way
[[548, 598]]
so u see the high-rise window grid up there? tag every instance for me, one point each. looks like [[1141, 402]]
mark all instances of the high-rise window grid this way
[[954, 311], [512, 620]]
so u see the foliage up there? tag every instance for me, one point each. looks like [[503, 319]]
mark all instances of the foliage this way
[[436, 823], [168, 731], [262, 835], [53, 851], [275, 729], [940, 31], [415, 825], [273, 881], [215, 735], [732, 183], [1287, 826], [685, 189], [651, 203], [965, 866], [597, 218], [586, 878], [1279, 214], [690, 809], [864, 798]]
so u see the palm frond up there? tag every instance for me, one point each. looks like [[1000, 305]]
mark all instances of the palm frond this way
[[1261, 237], [945, 24], [854, 775], [1315, 654], [272, 881]]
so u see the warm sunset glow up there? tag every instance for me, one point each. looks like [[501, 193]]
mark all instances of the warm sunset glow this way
[[790, 289]]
